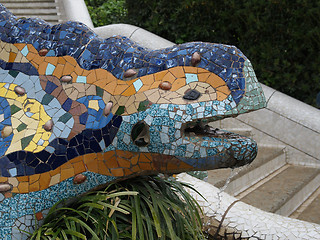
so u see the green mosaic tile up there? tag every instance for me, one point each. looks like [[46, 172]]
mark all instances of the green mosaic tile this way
[[143, 105], [25, 141], [65, 118], [99, 91], [21, 127], [14, 109], [13, 73], [120, 110], [46, 99]]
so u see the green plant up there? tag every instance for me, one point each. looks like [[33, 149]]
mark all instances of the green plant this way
[[140, 208], [105, 12]]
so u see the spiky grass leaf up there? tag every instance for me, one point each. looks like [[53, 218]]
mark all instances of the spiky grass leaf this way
[[141, 208]]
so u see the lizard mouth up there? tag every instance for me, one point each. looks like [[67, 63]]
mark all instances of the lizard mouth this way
[[200, 128], [226, 148]]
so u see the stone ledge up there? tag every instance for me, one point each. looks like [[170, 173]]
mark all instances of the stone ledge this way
[[230, 216]]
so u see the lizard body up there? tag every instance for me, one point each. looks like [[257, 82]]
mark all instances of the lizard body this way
[[75, 106]]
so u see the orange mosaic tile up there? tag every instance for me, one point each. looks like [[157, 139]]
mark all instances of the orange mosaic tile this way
[[23, 178], [20, 46], [108, 155], [125, 154], [168, 78], [127, 172], [61, 61], [33, 187], [67, 173], [79, 167], [145, 166], [52, 60], [215, 81], [118, 172], [3, 179], [12, 57], [23, 187], [159, 75], [221, 96], [224, 89], [34, 178], [136, 169], [145, 158], [44, 180], [125, 90], [178, 83], [177, 72], [189, 69], [112, 162], [204, 76], [135, 159], [123, 163], [103, 168], [67, 69]]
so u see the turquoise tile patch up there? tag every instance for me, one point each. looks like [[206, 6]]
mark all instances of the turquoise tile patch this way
[[138, 84], [25, 51], [191, 77], [81, 79], [50, 69]]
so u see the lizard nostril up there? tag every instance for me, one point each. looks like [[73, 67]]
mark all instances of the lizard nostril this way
[[192, 95], [140, 134]]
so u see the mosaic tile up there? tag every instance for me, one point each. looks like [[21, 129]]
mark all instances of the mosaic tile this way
[[73, 103]]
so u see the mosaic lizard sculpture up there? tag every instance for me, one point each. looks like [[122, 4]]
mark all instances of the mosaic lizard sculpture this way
[[78, 112]]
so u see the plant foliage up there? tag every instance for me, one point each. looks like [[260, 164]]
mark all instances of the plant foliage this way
[[105, 12], [140, 208]]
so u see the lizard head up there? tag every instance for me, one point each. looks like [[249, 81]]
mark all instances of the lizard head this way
[[175, 107]]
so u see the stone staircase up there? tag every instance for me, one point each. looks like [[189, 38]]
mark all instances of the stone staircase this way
[[272, 184], [48, 10]]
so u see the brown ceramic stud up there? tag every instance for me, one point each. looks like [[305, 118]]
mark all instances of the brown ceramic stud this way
[[66, 79], [196, 57], [19, 90], [129, 73], [79, 178], [43, 52], [108, 108], [165, 86], [6, 131], [48, 125], [5, 187], [39, 216]]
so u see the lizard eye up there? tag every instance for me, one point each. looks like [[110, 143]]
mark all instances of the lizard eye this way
[[140, 134]]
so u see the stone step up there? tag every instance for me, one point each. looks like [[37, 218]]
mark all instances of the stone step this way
[[283, 192], [311, 213], [47, 18], [45, 9], [34, 12], [268, 160], [309, 209], [25, 1], [39, 6]]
